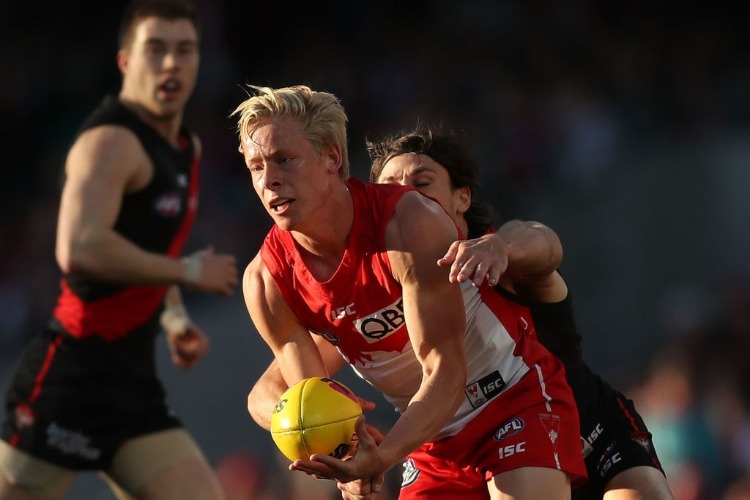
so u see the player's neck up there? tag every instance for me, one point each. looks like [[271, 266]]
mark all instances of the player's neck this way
[[322, 244], [463, 226], [166, 126]]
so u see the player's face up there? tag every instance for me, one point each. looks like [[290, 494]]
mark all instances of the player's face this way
[[291, 178], [160, 67], [427, 176]]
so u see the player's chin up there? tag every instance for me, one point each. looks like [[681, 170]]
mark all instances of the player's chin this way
[[283, 223], [167, 108]]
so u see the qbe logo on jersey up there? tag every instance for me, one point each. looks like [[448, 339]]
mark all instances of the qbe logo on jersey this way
[[383, 323], [484, 389]]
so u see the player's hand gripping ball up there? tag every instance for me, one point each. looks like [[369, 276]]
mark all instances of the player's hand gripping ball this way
[[316, 415]]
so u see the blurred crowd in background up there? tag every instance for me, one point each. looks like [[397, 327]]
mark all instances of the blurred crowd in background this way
[[624, 127]]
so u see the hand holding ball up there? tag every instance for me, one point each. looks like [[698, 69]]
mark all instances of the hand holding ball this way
[[315, 416]]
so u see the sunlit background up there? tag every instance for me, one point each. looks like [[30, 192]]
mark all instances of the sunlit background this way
[[623, 127]]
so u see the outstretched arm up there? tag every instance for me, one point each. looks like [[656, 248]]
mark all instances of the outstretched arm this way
[[521, 256]]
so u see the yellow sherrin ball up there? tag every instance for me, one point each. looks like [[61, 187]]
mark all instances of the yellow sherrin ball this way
[[316, 415]]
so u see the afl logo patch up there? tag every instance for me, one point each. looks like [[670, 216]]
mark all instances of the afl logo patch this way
[[169, 205], [509, 428]]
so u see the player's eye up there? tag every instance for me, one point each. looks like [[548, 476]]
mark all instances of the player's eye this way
[[187, 49], [156, 48], [420, 181]]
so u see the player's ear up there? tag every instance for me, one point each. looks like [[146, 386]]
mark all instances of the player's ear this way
[[333, 158], [122, 60], [462, 199]]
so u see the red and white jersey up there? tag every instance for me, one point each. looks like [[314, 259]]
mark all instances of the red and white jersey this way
[[360, 311]]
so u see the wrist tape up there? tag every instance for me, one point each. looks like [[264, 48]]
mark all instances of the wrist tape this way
[[193, 269], [175, 319]]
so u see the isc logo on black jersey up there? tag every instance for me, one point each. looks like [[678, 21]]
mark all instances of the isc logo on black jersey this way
[[383, 323]]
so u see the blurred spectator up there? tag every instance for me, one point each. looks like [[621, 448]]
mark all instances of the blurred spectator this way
[[243, 477], [687, 447], [738, 490]]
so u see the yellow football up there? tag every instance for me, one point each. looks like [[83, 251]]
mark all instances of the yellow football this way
[[316, 415]]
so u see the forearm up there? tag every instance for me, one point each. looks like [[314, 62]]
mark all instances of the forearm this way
[[173, 298], [431, 407], [532, 248], [110, 257], [265, 394], [175, 319]]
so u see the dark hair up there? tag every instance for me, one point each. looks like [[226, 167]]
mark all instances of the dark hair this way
[[165, 9], [446, 149]]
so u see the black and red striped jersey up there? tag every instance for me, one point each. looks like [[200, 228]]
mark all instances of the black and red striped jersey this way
[[157, 218]]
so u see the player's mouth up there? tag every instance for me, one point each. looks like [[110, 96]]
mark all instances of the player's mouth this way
[[280, 206], [170, 89]]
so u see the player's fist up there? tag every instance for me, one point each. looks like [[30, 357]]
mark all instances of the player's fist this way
[[210, 272], [188, 347]]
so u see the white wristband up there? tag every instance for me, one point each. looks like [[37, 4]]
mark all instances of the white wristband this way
[[193, 269], [175, 319]]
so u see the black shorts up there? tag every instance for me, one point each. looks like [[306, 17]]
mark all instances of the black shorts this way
[[613, 434], [74, 402]]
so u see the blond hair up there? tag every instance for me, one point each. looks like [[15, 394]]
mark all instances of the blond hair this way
[[321, 115]]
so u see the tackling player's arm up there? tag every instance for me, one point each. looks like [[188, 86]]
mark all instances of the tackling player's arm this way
[[292, 345], [104, 164], [534, 253], [521, 256]]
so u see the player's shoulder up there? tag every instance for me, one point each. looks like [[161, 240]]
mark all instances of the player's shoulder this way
[[256, 272], [419, 222], [108, 150], [255, 267], [415, 208], [114, 141], [413, 199], [258, 283]]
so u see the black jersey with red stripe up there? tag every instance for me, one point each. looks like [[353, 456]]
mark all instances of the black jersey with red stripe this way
[[555, 328], [157, 218]]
